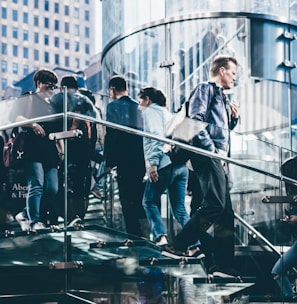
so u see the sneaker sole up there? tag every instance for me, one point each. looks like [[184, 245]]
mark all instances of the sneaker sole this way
[[24, 224], [199, 256], [224, 275], [171, 255]]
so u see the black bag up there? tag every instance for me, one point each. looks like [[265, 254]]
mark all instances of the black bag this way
[[14, 149], [178, 155]]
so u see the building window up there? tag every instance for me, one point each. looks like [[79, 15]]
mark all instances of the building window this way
[[3, 83], [4, 48], [57, 59], [14, 15], [15, 68], [76, 63], [57, 42], [46, 57], [67, 44], [76, 12], [15, 50], [56, 8], [87, 32], [36, 3], [76, 29], [76, 46], [46, 40], [36, 21], [36, 55], [46, 22], [4, 13], [87, 15], [25, 2], [66, 10], [15, 1], [26, 52], [87, 63], [56, 25], [66, 27], [14, 33], [4, 30], [87, 49], [36, 37], [4, 66], [46, 5], [25, 17], [25, 35], [67, 61], [87, 1], [25, 69]]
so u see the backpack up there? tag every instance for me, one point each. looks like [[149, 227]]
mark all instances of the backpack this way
[[14, 149]]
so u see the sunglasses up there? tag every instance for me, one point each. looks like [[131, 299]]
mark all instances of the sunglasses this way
[[51, 86]]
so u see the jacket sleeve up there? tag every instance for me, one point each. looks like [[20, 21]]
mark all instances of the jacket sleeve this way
[[198, 110]]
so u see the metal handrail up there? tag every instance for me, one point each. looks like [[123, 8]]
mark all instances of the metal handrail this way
[[183, 145], [179, 144]]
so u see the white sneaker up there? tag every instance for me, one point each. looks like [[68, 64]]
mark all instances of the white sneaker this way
[[76, 221], [23, 222], [38, 226]]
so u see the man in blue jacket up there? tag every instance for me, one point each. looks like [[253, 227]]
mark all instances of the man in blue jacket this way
[[124, 151], [208, 104]]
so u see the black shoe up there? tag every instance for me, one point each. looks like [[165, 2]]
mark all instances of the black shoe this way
[[195, 253], [170, 252]]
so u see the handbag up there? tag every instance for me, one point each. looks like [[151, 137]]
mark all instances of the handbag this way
[[14, 149], [186, 130], [183, 129]]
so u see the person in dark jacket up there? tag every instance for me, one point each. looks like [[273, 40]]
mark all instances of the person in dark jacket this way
[[42, 154], [124, 151], [208, 104], [80, 150]]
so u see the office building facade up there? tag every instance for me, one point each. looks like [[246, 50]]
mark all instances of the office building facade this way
[[45, 33]]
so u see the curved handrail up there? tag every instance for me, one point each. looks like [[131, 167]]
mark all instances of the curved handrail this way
[[193, 16]]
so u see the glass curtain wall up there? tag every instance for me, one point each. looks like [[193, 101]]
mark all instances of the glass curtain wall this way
[[187, 39]]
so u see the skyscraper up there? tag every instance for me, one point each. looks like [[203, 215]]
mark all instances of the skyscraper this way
[[47, 33]]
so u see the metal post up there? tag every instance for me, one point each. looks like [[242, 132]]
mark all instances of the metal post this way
[[66, 240]]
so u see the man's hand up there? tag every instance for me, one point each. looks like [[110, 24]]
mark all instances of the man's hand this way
[[234, 109], [291, 219], [153, 175]]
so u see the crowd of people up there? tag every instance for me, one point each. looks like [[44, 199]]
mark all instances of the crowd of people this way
[[145, 170]]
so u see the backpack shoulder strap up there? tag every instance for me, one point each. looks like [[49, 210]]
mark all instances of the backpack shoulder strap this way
[[212, 88]]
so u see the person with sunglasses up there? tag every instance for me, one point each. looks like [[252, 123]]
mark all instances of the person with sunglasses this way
[[42, 155]]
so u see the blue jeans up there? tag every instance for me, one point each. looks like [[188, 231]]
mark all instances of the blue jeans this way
[[285, 263], [173, 178], [177, 192], [152, 201], [42, 184]]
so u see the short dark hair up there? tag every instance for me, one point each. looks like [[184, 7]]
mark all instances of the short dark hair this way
[[155, 95], [221, 61], [118, 83], [69, 81], [45, 75]]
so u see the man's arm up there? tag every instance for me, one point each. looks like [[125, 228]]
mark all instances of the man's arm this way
[[198, 110]]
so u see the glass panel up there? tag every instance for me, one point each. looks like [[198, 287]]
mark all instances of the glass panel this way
[[138, 58]]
